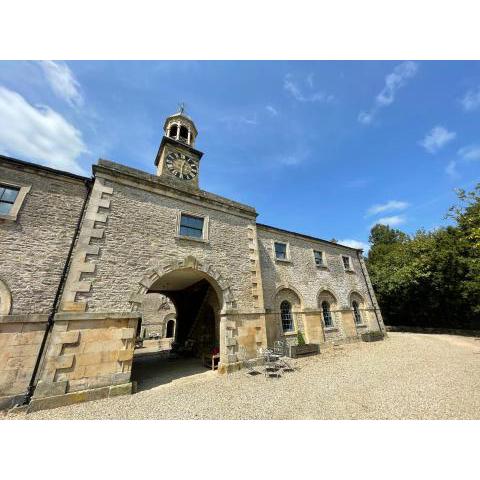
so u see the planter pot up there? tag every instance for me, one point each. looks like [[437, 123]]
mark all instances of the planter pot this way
[[372, 336], [304, 350]]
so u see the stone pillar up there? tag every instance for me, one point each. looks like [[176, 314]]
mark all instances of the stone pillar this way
[[348, 323], [88, 357], [313, 326]]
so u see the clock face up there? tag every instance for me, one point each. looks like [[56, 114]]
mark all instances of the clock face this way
[[181, 166]]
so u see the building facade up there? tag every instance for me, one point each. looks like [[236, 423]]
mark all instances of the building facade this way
[[89, 264]]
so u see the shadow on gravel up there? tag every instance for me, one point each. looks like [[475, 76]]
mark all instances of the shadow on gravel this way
[[150, 371]]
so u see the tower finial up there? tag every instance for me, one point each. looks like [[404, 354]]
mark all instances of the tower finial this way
[[181, 107]]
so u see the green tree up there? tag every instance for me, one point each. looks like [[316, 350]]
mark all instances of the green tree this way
[[431, 278]]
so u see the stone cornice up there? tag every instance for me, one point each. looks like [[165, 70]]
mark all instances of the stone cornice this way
[[146, 181]]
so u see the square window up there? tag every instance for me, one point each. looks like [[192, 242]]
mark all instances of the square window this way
[[346, 262], [8, 195], [191, 226], [318, 258], [280, 251]]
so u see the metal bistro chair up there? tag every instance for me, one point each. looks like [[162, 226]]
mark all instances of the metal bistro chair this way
[[248, 363], [271, 363], [280, 348]]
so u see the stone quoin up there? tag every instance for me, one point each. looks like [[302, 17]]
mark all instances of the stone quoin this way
[[89, 265]]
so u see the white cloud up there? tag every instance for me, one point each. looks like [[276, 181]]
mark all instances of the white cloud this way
[[471, 152], [38, 133], [393, 81], [294, 89], [471, 100], [391, 221], [271, 110], [296, 157], [437, 138], [390, 206], [355, 244], [451, 169], [63, 82]]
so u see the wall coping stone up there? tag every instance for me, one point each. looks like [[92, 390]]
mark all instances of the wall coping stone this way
[[74, 316], [25, 318]]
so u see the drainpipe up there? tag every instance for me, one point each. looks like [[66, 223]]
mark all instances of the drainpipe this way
[[368, 290], [31, 385]]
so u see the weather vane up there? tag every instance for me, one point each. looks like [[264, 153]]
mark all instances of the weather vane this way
[[181, 107]]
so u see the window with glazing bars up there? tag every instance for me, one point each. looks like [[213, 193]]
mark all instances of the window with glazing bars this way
[[281, 251], [356, 312], [318, 258], [327, 314], [286, 316], [8, 196], [191, 226]]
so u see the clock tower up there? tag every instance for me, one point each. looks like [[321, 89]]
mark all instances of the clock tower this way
[[177, 158]]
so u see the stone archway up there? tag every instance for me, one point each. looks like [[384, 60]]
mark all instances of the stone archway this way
[[153, 275]]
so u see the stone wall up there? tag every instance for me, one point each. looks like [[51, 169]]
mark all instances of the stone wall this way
[[304, 279], [34, 248], [140, 234], [20, 339], [86, 352], [156, 310]]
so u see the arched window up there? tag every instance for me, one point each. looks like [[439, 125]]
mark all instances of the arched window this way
[[170, 328], [173, 131], [356, 312], [327, 314], [183, 133], [286, 316]]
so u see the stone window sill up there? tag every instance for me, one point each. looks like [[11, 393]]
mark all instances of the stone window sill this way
[[361, 325], [331, 329], [191, 239], [289, 334], [322, 267], [282, 260], [10, 218], [350, 270]]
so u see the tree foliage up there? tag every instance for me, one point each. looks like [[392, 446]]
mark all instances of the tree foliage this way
[[430, 279]]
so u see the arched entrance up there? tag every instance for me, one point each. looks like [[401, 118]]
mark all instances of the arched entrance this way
[[198, 301]]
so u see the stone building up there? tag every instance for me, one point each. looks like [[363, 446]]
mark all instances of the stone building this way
[[84, 260]]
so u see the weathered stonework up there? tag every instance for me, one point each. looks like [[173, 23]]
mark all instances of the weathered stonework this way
[[34, 248], [83, 262], [20, 339], [94, 284], [87, 351]]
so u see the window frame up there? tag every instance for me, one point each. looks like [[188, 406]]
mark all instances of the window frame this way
[[23, 190], [331, 324], [357, 313], [205, 230], [324, 258], [287, 252], [350, 263], [291, 319]]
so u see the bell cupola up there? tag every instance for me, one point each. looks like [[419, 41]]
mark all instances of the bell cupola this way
[[177, 158], [180, 127]]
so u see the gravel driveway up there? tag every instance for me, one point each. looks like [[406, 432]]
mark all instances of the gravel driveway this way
[[407, 376]]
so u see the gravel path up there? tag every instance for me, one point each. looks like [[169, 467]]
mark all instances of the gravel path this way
[[408, 376]]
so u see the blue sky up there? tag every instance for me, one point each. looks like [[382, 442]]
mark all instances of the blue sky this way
[[320, 147]]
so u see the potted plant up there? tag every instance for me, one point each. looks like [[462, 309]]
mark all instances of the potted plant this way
[[302, 348]]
